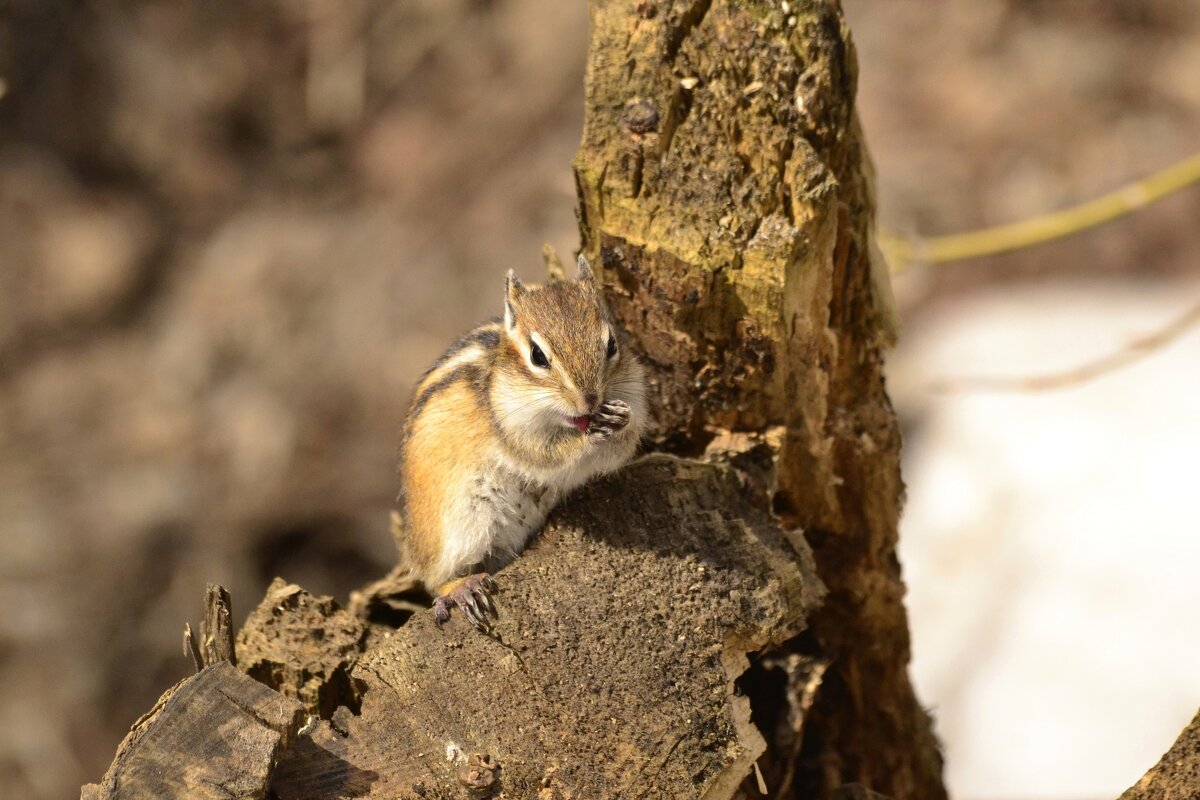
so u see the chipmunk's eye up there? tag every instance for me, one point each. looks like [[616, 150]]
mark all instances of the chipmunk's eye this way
[[612, 346], [538, 357]]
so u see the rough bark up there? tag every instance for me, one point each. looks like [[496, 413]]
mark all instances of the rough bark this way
[[304, 647], [611, 672], [726, 193], [217, 734], [1177, 775]]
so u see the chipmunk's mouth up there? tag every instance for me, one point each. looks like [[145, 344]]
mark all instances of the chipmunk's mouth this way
[[580, 422]]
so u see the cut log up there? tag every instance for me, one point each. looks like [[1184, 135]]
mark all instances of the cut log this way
[[217, 734], [611, 672]]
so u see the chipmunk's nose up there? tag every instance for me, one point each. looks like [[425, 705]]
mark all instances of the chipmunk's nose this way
[[591, 400]]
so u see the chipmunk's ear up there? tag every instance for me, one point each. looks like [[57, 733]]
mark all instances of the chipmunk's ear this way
[[513, 289], [585, 271]]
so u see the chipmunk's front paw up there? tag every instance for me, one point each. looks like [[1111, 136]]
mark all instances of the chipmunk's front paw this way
[[473, 595], [612, 417]]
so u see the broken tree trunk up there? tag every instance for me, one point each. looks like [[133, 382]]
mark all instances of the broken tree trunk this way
[[303, 646], [726, 193], [662, 637]]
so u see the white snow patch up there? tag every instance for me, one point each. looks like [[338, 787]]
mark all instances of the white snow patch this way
[[1051, 541]]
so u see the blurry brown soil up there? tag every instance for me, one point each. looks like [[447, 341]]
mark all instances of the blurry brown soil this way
[[232, 234], [984, 113], [218, 279]]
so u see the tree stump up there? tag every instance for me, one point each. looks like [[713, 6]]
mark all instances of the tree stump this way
[[662, 637], [726, 193], [1177, 774]]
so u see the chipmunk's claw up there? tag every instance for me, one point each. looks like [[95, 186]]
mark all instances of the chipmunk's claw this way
[[485, 601], [473, 596], [612, 417]]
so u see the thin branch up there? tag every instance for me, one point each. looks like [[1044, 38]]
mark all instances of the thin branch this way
[[1132, 352], [901, 251]]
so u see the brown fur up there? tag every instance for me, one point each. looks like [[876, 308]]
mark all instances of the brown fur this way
[[427, 480], [469, 405]]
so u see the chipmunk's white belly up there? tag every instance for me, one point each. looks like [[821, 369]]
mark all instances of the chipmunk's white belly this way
[[493, 519]]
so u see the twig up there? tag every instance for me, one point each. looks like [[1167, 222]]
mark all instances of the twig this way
[[901, 251], [1135, 350]]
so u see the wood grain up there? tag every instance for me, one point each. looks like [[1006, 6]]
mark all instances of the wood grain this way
[[214, 735]]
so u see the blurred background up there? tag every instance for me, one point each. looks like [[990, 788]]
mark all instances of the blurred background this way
[[232, 234]]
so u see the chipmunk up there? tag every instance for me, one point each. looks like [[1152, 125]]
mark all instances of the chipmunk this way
[[516, 414]]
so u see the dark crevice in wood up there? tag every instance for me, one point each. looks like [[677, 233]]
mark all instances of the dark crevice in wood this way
[[682, 28]]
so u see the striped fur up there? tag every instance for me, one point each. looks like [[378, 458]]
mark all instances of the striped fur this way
[[489, 445]]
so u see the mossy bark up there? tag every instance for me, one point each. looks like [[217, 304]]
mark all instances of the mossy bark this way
[[725, 191]]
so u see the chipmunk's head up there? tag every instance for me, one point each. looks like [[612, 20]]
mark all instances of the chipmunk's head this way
[[561, 357]]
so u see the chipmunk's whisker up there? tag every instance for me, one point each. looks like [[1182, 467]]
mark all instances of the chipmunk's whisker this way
[[544, 398]]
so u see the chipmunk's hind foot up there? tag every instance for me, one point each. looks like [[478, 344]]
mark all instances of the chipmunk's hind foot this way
[[472, 594]]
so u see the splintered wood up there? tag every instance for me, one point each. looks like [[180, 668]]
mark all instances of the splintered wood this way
[[611, 671], [302, 645]]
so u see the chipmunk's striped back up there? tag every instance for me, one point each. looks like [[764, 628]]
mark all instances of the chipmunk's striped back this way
[[468, 360]]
